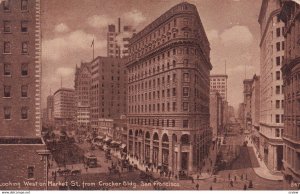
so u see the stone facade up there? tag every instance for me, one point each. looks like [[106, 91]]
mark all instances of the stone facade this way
[[108, 94], [272, 53], [168, 92], [216, 114], [219, 83], [290, 14], [82, 95], [23, 154]]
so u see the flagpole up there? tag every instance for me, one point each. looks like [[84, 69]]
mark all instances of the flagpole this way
[[93, 50]]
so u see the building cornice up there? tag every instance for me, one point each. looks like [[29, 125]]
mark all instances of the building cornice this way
[[171, 44]]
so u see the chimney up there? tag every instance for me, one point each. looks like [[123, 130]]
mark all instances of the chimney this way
[[119, 24]]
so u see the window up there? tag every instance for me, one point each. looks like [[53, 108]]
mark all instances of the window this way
[[186, 77], [185, 106], [163, 107], [24, 26], [277, 132], [174, 63], [24, 69], [168, 92], [7, 47], [277, 118], [24, 5], [185, 123], [6, 5], [282, 45], [6, 27], [6, 69], [277, 61], [278, 46], [185, 91], [174, 106], [30, 172], [278, 32], [24, 91], [277, 89], [7, 90], [24, 113], [158, 107], [174, 92], [24, 47], [277, 75], [277, 103], [185, 61], [7, 112], [174, 77], [163, 93]]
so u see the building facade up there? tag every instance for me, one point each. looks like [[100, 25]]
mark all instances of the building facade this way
[[168, 92], [216, 114], [82, 95], [247, 103], [219, 83], [22, 149], [108, 92], [118, 40], [50, 109], [255, 102], [64, 107], [271, 94], [290, 14]]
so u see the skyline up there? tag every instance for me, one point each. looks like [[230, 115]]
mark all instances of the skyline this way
[[234, 39]]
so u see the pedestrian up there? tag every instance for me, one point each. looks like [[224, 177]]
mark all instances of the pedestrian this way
[[197, 186], [242, 177], [192, 178], [86, 168], [234, 178], [210, 188], [246, 177], [245, 187], [231, 183], [229, 176]]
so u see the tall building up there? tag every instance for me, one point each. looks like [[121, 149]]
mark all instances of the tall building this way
[[168, 99], [82, 95], [219, 83], [118, 40], [271, 58], [50, 109], [108, 93], [64, 107], [21, 147], [241, 113], [247, 105], [255, 102], [216, 114], [291, 75]]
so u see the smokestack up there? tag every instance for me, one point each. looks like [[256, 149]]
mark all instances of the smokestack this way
[[119, 24]]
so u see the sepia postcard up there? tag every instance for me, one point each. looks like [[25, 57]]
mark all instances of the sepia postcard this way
[[149, 95]]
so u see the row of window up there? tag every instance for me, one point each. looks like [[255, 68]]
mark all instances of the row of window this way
[[154, 83], [7, 5], [7, 91], [8, 113], [7, 26], [164, 93], [7, 69], [7, 47], [150, 108], [158, 122]]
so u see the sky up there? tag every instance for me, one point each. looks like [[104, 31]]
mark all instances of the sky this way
[[69, 27]]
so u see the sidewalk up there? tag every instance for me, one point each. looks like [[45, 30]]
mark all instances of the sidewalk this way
[[262, 171]]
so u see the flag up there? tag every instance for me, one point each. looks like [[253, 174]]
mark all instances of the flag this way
[[92, 43]]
